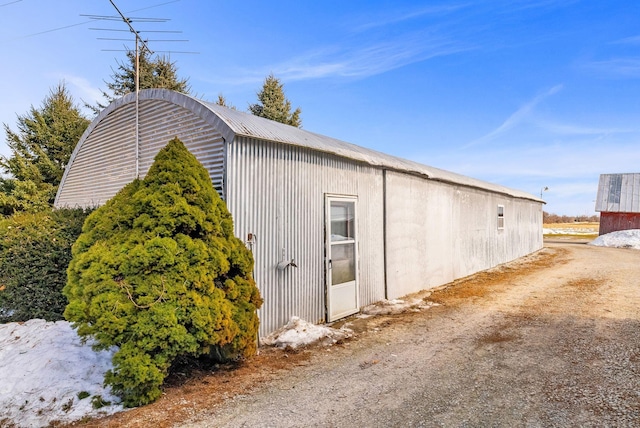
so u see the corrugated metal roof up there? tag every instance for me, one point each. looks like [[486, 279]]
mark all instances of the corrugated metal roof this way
[[619, 193], [245, 124]]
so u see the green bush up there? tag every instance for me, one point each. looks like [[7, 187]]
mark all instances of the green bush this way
[[35, 250], [158, 272]]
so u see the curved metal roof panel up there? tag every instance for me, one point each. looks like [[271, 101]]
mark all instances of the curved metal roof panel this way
[[252, 126], [230, 122]]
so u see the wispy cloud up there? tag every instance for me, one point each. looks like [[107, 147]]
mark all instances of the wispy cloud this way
[[355, 62], [399, 17], [516, 118], [616, 67], [366, 51], [571, 129], [633, 40], [570, 170], [370, 60], [82, 88], [519, 5], [628, 41]]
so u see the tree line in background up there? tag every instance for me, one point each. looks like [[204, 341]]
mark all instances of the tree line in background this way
[[548, 218]]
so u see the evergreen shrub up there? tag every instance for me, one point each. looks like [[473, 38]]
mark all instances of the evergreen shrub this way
[[35, 251], [158, 272]]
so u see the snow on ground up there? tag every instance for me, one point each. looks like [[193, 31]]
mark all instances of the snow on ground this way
[[570, 230], [298, 332], [43, 367], [620, 239], [396, 306]]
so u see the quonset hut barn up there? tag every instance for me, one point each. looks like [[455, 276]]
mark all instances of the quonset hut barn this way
[[332, 226], [618, 202]]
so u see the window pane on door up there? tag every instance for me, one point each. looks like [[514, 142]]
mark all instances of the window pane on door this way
[[342, 221], [343, 263]]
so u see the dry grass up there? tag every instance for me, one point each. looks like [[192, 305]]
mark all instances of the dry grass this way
[[585, 284], [483, 283], [573, 226]]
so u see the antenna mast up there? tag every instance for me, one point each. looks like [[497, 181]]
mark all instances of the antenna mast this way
[[140, 46], [139, 41]]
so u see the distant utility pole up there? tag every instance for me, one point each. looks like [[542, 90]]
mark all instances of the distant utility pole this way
[[544, 189]]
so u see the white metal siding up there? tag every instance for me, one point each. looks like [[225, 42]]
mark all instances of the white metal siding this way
[[104, 162], [162, 121], [277, 192], [438, 232]]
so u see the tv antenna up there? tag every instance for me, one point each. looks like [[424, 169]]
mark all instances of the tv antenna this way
[[141, 45]]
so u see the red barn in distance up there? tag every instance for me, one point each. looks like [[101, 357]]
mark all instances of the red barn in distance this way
[[618, 202]]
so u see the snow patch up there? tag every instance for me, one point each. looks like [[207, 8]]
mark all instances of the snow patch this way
[[620, 239], [570, 231], [298, 332], [43, 367], [397, 306]]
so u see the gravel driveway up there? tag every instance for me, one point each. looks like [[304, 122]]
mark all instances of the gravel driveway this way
[[551, 340]]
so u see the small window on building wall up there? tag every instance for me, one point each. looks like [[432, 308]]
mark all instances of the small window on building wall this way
[[500, 216]]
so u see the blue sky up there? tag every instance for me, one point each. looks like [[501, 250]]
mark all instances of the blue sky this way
[[524, 93]]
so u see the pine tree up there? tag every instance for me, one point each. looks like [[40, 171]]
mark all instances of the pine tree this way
[[158, 272], [158, 72], [273, 104], [40, 150], [222, 101]]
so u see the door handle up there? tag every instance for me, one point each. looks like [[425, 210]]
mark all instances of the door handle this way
[[329, 263]]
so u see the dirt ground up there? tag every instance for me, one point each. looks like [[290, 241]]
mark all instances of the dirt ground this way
[[552, 339]]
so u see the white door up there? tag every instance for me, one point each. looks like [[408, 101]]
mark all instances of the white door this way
[[341, 257]]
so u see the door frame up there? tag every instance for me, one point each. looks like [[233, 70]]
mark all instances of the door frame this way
[[354, 285]]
